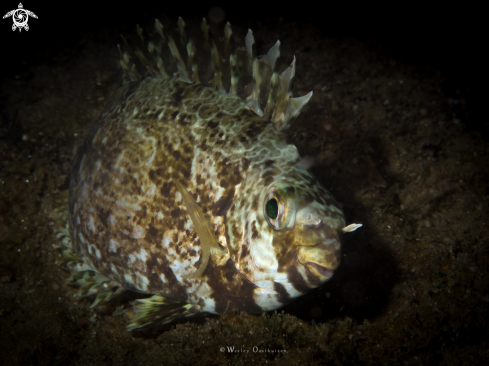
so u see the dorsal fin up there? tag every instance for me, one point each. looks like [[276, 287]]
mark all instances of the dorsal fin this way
[[218, 63]]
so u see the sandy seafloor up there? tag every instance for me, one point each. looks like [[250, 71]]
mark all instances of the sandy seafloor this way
[[395, 137]]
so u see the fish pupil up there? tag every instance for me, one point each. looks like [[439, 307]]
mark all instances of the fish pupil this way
[[272, 208]]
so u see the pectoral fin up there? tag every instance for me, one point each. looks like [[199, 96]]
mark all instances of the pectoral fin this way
[[208, 241], [158, 310]]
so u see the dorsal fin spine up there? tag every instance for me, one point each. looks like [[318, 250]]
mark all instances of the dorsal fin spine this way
[[253, 79], [159, 30], [181, 30], [272, 96], [182, 70], [193, 63], [233, 63], [253, 101], [205, 29], [124, 65], [217, 69], [162, 41], [132, 74]]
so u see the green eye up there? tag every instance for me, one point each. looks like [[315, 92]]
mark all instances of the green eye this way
[[279, 206], [272, 208]]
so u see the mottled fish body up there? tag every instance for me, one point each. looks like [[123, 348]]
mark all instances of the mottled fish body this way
[[186, 189]]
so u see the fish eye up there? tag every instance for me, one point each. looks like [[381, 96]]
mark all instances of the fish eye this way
[[279, 208], [272, 208]]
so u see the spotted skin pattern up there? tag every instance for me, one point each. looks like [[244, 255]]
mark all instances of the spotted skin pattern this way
[[128, 222]]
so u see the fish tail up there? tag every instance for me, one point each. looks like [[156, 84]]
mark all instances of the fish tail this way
[[201, 58], [62, 231], [89, 281]]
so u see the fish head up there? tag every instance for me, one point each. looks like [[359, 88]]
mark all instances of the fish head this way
[[301, 229]]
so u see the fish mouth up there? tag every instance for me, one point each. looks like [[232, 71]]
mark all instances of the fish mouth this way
[[327, 254], [319, 271]]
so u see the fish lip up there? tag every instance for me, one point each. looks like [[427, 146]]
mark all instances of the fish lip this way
[[318, 270]]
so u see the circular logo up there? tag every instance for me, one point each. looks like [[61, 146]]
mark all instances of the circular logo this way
[[20, 17]]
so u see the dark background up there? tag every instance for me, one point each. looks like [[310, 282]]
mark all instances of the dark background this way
[[433, 40], [446, 38]]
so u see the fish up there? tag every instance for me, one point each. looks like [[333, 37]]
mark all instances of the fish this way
[[185, 189]]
